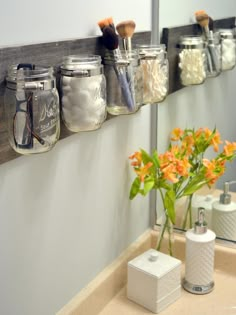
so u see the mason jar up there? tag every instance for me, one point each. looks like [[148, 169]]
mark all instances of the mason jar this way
[[124, 82], [213, 55], [192, 60], [155, 71], [83, 92], [228, 48], [32, 108]]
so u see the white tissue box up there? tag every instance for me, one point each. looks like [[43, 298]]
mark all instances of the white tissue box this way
[[154, 280]]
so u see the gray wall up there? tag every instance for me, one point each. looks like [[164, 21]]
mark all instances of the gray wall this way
[[65, 215]]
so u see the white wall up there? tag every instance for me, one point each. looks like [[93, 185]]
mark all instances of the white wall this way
[[211, 104], [25, 21], [65, 214]]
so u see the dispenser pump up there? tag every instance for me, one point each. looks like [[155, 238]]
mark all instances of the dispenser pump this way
[[200, 225], [225, 198]]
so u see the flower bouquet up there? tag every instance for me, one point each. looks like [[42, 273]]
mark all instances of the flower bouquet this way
[[180, 171]]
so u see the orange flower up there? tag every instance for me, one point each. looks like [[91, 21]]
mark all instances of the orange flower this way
[[229, 148], [169, 173], [207, 133], [215, 141], [143, 171], [176, 134], [138, 157], [182, 167], [187, 144], [214, 169], [199, 133]]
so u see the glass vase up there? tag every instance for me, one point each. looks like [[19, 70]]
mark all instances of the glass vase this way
[[166, 233], [187, 222]]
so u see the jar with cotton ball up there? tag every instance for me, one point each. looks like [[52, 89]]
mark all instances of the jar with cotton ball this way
[[192, 60], [155, 71], [228, 48], [83, 92]]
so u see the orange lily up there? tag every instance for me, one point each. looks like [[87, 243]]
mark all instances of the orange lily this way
[[229, 148], [143, 171], [138, 156], [176, 134]]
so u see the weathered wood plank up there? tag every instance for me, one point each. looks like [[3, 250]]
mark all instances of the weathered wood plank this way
[[51, 54]]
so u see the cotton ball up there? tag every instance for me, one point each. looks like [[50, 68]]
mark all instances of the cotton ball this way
[[84, 102]]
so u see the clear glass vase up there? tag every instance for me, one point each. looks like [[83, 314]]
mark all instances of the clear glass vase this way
[[166, 233], [187, 222]]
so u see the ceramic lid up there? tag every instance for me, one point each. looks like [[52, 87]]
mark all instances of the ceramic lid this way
[[154, 263]]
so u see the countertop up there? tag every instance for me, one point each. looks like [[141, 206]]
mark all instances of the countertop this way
[[221, 301]]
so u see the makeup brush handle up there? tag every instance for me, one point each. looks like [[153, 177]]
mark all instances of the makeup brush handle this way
[[213, 53], [209, 61], [214, 58], [125, 89], [127, 44], [206, 32]]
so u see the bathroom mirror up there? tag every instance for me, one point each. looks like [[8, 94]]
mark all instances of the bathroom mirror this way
[[211, 105]]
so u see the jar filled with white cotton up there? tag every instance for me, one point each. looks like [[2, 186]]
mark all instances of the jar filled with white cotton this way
[[228, 48], [155, 68], [192, 60], [83, 92]]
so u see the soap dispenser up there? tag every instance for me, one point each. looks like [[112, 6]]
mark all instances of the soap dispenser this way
[[224, 215], [199, 257]]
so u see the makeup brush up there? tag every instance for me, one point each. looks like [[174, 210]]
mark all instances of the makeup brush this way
[[126, 30], [111, 42], [202, 19]]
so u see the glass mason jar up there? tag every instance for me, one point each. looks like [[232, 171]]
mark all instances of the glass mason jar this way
[[192, 60], [32, 108], [213, 55], [155, 71], [124, 82], [228, 48], [83, 92]]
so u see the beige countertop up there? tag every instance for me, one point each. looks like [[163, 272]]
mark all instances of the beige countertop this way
[[106, 294], [221, 301]]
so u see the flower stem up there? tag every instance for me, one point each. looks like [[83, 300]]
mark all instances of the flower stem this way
[[170, 235], [188, 213], [160, 239]]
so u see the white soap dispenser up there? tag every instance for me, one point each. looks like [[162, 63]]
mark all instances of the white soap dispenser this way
[[204, 201], [199, 257], [224, 215]]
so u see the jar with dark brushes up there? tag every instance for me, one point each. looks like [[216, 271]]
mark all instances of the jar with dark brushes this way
[[124, 82], [32, 108]]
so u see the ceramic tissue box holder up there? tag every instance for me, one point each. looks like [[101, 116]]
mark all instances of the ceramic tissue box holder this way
[[154, 280]]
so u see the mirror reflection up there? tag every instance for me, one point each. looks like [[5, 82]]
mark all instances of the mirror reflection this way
[[208, 105]]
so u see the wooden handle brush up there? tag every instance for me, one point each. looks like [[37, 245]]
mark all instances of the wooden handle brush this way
[[111, 42], [126, 30], [202, 19]]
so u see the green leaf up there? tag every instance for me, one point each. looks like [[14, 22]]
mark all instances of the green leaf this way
[[134, 190], [169, 203], [146, 157], [195, 184], [155, 159], [148, 185]]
